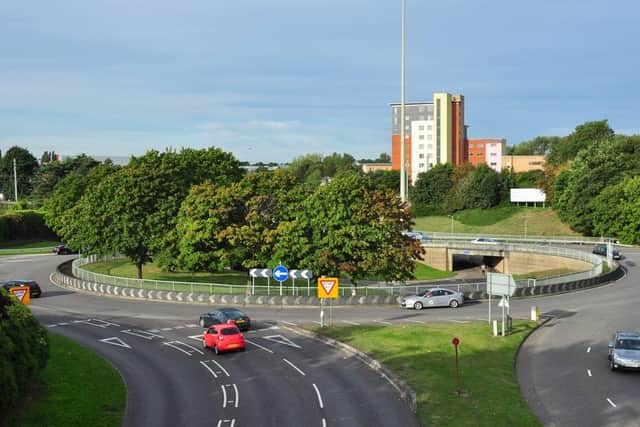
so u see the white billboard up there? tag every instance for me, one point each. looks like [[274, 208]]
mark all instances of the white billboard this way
[[528, 195]]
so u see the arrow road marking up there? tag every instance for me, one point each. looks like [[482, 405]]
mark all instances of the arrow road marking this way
[[97, 322], [142, 334], [282, 340], [115, 341], [259, 346], [177, 344]]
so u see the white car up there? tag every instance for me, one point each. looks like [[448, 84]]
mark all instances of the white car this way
[[434, 297], [484, 241]]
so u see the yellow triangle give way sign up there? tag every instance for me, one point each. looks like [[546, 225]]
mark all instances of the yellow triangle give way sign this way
[[327, 287]]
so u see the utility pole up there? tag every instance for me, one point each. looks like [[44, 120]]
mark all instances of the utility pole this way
[[15, 179]]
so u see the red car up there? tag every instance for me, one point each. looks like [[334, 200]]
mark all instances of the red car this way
[[223, 337]]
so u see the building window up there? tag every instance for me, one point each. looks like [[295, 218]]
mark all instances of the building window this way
[[493, 154], [421, 166], [430, 127], [421, 109], [429, 136], [430, 146], [493, 163], [421, 156], [420, 146], [420, 136], [421, 127], [493, 145], [470, 145]]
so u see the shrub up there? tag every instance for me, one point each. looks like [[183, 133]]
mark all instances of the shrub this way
[[24, 349]]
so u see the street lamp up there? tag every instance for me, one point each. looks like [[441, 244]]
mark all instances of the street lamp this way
[[403, 171]]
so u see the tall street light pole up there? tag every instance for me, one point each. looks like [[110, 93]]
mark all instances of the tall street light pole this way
[[15, 179], [403, 172]]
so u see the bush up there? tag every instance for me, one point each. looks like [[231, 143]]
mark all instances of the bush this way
[[24, 349], [24, 225]]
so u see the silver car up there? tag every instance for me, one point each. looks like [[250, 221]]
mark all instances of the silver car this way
[[435, 297], [624, 350]]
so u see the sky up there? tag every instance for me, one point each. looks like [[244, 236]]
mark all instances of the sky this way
[[273, 80]]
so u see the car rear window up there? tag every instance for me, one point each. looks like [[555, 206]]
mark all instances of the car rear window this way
[[628, 344], [234, 314], [230, 331]]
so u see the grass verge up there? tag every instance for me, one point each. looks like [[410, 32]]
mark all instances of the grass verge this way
[[424, 358], [77, 388]]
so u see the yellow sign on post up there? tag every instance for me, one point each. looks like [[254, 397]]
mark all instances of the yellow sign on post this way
[[327, 287], [22, 293]]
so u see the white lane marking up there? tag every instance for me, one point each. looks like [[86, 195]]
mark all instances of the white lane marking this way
[[281, 339], [97, 322], [178, 344], [224, 396], [52, 326], [196, 337], [315, 321], [192, 325], [209, 369], [235, 387], [416, 321], [294, 366], [166, 329], [589, 372], [458, 321], [319, 397], [611, 402], [288, 323], [142, 334], [178, 327], [588, 349], [259, 346], [63, 323], [351, 323], [154, 330], [232, 422], [324, 422], [220, 366], [383, 321], [115, 341]]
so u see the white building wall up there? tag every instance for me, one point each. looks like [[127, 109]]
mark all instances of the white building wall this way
[[493, 155], [422, 147]]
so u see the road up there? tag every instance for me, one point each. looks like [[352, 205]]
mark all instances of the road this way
[[562, 368], [283, 379]]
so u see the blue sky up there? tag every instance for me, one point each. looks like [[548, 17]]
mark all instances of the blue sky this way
[[272, 80]]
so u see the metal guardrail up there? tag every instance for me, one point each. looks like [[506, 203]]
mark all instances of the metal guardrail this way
[[579, 240], [356, 291]]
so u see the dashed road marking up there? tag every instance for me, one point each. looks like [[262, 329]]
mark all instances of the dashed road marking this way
[[611, 402], [142, 334], [179, 345], [416, 321], [219, 366], [588, 349], [351, 323], [288, 323], [319, 397], [294, 367], [383, 321], [589, 372]]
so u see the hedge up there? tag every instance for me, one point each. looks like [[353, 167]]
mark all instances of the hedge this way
[[24, 225], [24, 350]]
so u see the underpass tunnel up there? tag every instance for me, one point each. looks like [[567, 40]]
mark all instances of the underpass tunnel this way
[[475, 263]]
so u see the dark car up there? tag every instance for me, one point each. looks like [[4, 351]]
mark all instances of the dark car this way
[[602, 250], [222, 315], [63, 250], [34, 288]]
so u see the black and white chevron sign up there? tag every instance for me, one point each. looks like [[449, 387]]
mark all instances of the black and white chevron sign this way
[[260, 272], [300, 274]]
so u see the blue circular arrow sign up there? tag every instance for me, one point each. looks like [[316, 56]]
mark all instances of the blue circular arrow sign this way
[[280, 273]]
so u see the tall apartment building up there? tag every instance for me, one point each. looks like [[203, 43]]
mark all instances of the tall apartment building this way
[[487, 150], [435, 133]]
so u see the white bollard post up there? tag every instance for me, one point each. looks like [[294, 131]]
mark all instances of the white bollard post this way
[[534, 313], [495, 328]]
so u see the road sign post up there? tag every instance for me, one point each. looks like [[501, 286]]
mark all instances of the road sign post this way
[[327, 288], [455, 343], [259, 272], [280, 273], [21, 293]]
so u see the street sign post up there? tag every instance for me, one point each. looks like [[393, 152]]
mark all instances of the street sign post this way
[[301, 274], [280, 273], [21, 293], [259, 272], [327, 288], [455, 341]]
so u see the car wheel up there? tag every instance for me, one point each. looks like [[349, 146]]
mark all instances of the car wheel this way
[[417, 305], [612, 366], [454, 303], [215, 349], [202, 322]]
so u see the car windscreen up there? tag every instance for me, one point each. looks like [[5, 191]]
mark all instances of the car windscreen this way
[[628, 344], [230, 331]]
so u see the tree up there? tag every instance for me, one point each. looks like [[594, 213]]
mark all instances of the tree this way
[[540, 146], [50, 173], [432, 186], [602, 165], [480, 189], [616, 211], [584, 136], [26, 166], [385, 180], [347, 227]]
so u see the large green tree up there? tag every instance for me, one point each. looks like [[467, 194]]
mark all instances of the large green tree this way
[[432, 186], [480, 189], [347, 227], [616, 211], [51, 172], [602, 165], [584, 136], [540, 146], [25, 168]]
